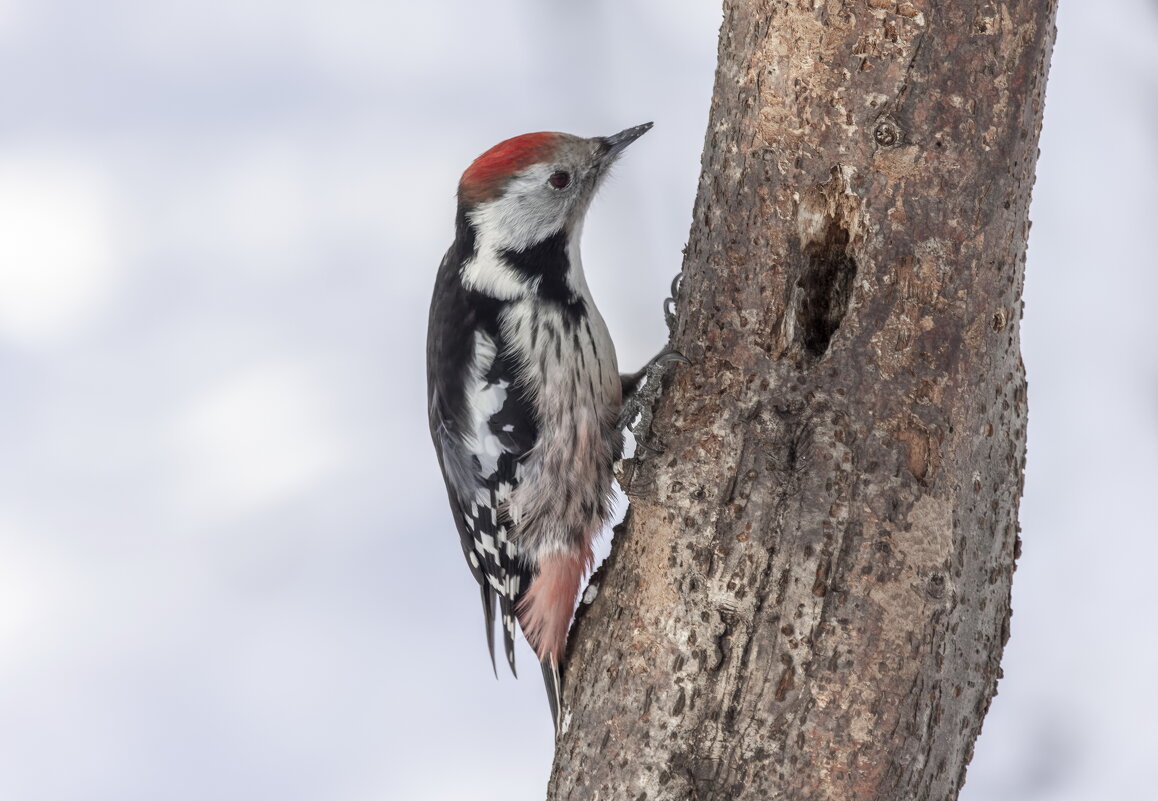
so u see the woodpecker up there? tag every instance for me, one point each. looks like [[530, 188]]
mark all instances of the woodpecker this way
[[523, 386]]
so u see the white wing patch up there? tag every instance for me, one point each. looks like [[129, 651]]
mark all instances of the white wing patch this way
[[485, 400]]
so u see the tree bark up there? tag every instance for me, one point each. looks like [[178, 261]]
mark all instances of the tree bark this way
[[810, 596]]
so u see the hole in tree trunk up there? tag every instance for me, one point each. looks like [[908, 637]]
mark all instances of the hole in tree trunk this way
[[824, 289]]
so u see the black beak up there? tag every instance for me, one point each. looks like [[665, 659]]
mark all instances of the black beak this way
[[617, 142]]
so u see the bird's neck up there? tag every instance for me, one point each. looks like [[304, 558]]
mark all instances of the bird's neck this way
[[507, 264]]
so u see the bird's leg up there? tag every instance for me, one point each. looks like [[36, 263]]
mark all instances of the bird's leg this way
[[640, 392], [641, 389]]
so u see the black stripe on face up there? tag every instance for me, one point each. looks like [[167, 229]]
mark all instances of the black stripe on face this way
[[547, 261]]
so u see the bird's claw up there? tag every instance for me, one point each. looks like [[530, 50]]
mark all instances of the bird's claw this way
[[642, 389], [642, 445], [669, 356]]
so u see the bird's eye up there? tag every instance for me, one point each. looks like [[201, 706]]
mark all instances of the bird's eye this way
[[559, 180]]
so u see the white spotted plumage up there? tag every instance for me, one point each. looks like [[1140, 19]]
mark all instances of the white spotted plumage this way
[[523, 384]]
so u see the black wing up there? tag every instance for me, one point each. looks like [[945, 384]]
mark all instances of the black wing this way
[[482, 425]]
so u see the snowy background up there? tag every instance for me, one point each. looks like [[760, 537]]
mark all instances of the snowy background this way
[[226, 566]]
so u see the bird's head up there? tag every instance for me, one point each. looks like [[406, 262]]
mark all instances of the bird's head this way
[[531, 187]]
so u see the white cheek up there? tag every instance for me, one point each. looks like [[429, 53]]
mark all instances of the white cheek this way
[[527, 213]]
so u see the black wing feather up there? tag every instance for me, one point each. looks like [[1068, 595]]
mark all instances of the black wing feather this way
[[477, 493]]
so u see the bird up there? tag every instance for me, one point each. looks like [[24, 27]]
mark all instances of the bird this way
[[523, 386]]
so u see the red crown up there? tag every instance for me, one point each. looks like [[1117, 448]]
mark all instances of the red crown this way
[[484, 178]]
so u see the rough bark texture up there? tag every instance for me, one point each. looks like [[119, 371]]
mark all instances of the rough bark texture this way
[[811, 595]]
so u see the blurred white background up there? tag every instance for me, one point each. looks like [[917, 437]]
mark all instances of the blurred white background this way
[[227, 570]]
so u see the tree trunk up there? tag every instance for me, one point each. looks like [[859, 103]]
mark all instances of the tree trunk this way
[[810, 596]]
